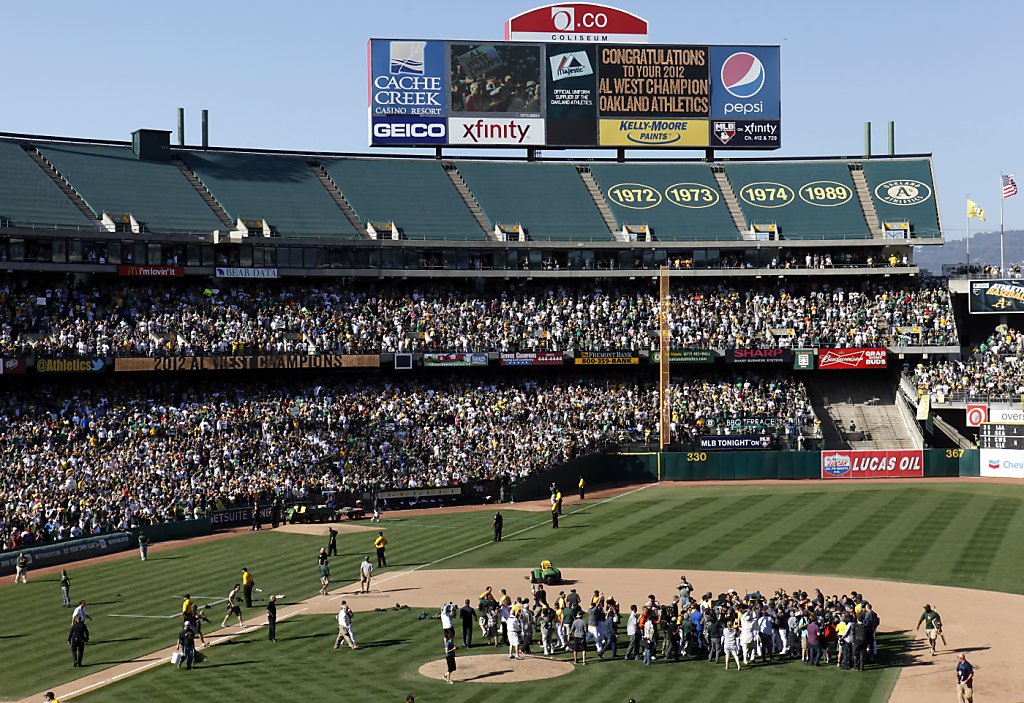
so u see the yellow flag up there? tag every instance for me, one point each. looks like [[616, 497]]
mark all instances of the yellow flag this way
[[974, 211]]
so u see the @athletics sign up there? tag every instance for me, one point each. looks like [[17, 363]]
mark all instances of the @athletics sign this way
[[577, 22]]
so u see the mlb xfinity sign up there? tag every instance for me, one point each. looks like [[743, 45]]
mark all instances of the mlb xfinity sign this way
[[577, 22]]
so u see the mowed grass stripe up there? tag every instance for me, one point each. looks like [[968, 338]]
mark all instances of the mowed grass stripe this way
[[982, 548], [834, 550], [731, 534], [935, 512], [793, 528]]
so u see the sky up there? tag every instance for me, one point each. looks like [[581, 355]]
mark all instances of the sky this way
[[293, 75]]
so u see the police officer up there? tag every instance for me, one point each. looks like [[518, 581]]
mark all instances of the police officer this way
[[77, 638]]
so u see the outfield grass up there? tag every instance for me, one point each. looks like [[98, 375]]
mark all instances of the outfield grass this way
[[941, 533]]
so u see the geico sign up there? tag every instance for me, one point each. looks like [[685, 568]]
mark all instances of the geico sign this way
[[413, 129]]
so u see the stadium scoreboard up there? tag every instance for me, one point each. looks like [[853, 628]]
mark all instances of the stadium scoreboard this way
[[1001, 435], [435, 93]]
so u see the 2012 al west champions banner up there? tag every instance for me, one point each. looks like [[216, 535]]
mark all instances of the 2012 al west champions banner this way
[[519, 94]]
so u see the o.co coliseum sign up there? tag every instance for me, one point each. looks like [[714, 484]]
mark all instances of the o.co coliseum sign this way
[[577, 22]]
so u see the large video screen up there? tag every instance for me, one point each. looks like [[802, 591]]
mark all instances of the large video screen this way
[[516, 94]]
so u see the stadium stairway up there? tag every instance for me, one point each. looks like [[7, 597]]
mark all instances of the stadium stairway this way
[[729, 196], [474, 207], [867, 205], [602, 204], [203, 192], [871, 404], [831, 436], [336, 195], [62, 183]]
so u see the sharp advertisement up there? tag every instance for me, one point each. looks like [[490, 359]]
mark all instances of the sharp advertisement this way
[[577, 94]]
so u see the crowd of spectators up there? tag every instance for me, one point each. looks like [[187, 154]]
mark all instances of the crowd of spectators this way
[[985, 270], [67, 317], [994, 369], [108, 456]]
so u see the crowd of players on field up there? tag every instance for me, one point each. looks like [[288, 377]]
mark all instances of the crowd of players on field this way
[[119, 317], [815, 628], [109, 455]]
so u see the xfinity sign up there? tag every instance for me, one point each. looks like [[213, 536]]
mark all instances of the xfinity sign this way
[[578, 22]]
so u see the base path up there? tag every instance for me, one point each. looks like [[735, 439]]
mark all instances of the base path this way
[[497, 668]]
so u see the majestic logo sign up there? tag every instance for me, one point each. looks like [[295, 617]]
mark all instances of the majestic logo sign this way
[[571, 65]]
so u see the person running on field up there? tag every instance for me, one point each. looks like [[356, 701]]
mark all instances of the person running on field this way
[[932, 626], [197, 617], [233, 607]]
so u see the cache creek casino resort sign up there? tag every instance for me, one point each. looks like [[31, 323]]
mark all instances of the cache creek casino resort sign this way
[[583, 78]]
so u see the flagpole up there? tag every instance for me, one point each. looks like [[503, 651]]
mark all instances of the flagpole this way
[[1001, 224], [968, 236]]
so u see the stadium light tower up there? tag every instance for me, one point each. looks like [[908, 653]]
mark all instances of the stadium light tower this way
[[665, 352]]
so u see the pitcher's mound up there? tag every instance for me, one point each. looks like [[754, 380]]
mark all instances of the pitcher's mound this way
[[320, 528], [498, 668]]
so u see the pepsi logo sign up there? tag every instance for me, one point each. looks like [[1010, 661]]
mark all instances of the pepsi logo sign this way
[[743, 75]]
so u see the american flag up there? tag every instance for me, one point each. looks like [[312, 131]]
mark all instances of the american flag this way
[[1009, 185]]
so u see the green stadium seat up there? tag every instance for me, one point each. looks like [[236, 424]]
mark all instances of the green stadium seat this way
[[111, 179], [680, 202], [28, 197], [896, 203], [417, 196], [283, 190], [807, 200], [549, 200]]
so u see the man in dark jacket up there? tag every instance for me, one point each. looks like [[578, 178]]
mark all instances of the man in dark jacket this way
[[860, 642], [468, 616], [498, 524], [77, 638]]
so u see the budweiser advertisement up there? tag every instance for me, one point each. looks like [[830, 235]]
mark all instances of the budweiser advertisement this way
[[577, 22], [853, 358], [857, 463]]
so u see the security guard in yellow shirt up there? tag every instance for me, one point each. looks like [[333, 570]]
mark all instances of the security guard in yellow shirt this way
[[186, 607], [583, 489], [247, 583], [380, 543]]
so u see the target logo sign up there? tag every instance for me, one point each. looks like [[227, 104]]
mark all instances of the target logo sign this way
[[977, 413]]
